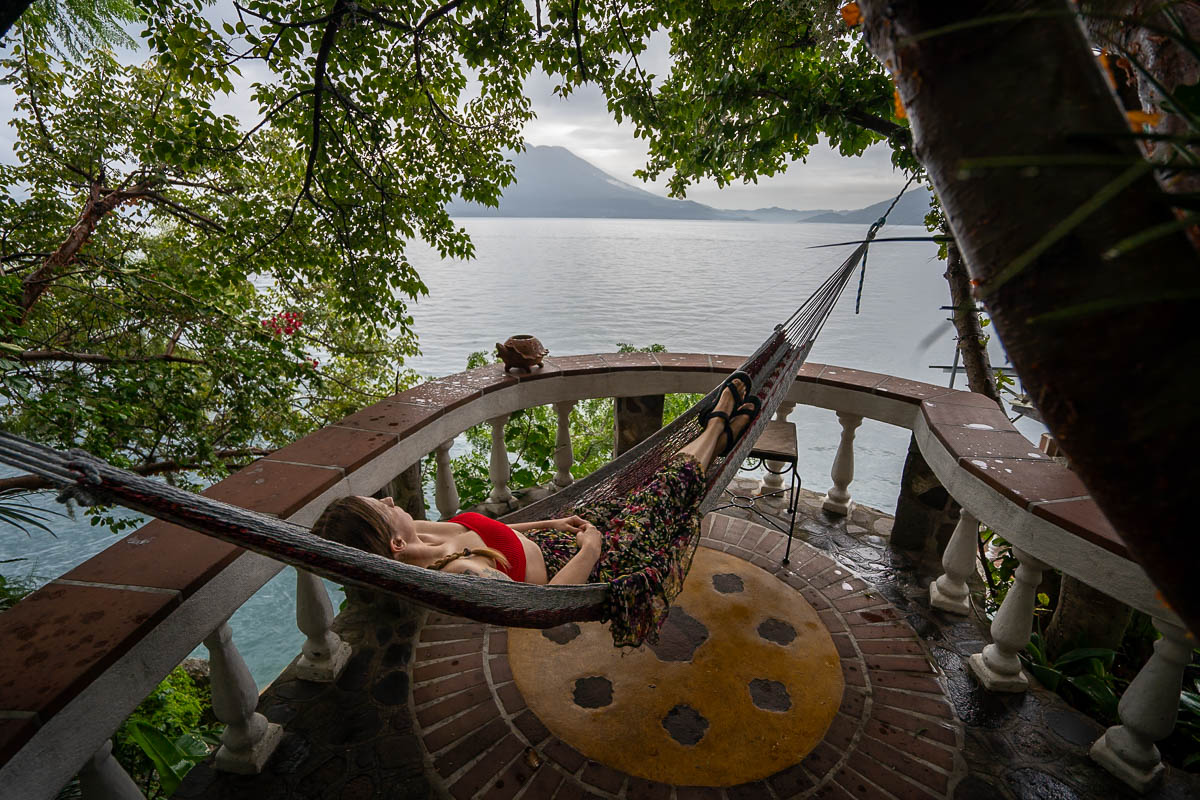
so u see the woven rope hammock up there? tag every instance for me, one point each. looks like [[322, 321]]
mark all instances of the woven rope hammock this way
[[89, 481]]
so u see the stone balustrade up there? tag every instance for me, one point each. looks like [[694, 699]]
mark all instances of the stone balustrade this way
[[79, 654]]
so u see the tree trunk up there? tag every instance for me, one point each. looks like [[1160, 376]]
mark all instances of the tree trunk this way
[[1085, 617], [1102, 341], [974, 353]]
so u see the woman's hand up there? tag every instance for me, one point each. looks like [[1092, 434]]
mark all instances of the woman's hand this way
[[572, 524], [589, 539], [582, 563]]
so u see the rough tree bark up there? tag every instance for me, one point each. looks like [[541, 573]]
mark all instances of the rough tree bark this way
[[976, 362], [1103, 343]]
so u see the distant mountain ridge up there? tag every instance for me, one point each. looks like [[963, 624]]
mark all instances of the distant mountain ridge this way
[[554, 182]]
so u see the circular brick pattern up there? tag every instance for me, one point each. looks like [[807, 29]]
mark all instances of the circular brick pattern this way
[[894, 733]]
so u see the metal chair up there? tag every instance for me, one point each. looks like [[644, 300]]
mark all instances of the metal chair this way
[[778, 444]]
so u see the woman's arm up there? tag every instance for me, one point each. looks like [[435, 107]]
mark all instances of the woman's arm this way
[[575, 524], [582, 563]]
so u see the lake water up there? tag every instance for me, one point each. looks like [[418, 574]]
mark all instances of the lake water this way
[[583, 286]]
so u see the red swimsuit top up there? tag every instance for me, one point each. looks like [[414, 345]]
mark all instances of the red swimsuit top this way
[[498, 536]]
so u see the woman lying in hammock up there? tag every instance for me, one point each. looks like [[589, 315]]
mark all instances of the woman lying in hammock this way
[[641, 544]]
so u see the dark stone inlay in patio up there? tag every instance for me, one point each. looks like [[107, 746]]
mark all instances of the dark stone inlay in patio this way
[[728, 583], [681, 634], [593, 692], [1074, 727], [1035, 783], [770, 695], [392, 690], [685, 724], [561, 634], [777, 631]]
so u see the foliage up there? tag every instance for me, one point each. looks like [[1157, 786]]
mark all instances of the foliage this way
[[1083, 676], [530, 438], [148, 255], [167, 734], [13, 589]]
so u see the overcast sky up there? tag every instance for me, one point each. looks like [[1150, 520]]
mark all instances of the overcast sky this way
[[583, 125]]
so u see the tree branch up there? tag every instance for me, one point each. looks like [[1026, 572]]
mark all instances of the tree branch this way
[[35, 483], [36, 356]]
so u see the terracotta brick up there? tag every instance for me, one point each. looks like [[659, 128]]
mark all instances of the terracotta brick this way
[[545, 782], [888, 756], [438, 618], [832, 620], [570, 790], [740, 552], [892, 630], [904, 389], [850, 378], [911, 743], [815, 567], [160, 555], [477, 718], [697, 793], [815, 599], [929, 729], [1029, 481], [602, 777], [858, 601], [841, 730], [919, 703], [497, 642], [853, 702], [427, 692], [1085, 519], [726, 363], [432, 652], [790, 782], [333, 446], [891, 647], [564, 754], [823, 758], [393, 416], [484, 771], [273, 488], [830, 581], [518, 774], [451, 666], [974, 443], [683, 362], [748, 791], [853, 673], [589, 364], [863, 778], [443, 633], [445, 709], [59, 639], [970, 416], [500, 669], [875, 615], [641, 789], [906, 680], [439, 394], [901, 663], [14, 733], [466, 750], [962, 398], [634, 362], [532, 728], [487, 378], [752, 537], [844, 646], [831, 791], [510, 698]]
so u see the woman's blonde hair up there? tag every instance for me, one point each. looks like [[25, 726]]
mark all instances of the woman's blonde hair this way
[[356, 522]]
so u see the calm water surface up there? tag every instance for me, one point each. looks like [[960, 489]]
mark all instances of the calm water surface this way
[[583, 286]]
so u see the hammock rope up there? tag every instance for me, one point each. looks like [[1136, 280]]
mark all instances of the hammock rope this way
[[773, 367]]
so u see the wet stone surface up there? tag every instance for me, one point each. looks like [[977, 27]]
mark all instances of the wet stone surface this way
[[685, 724], [681, 634], [770, 695], [777, 631], [728, 583], [593, 692], [561, 634]]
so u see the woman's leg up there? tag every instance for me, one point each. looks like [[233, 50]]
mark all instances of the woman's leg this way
[[704, 447]]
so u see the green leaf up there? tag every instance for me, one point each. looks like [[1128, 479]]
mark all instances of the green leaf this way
[[171, 763], [1047, 676], [1083, 654]]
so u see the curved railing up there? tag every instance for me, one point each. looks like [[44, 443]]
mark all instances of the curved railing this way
[[79, 654]]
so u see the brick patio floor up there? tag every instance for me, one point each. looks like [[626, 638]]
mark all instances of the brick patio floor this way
[[427, 706]]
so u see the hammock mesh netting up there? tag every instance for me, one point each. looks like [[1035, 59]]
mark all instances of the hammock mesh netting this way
[[773, 368]]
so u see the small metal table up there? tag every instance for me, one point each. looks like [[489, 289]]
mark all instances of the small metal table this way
[[777, 443]]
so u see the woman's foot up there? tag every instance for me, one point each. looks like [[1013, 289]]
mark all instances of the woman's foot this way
[[734, 390], [738, 422]]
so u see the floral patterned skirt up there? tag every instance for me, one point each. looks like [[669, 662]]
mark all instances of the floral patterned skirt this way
[[649, 538]]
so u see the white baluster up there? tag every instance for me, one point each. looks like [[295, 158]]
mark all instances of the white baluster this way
[[950, 592], [773, 479], [997, 667], [564, 457], [1147, 710], [324, 653], [102, 778], [445, 492], [837, 500], [249, 739], [498, 470]]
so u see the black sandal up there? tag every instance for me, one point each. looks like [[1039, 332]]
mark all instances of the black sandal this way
[[707, 408], [728, 419]]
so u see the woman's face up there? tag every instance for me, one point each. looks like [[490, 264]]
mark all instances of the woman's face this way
[[404, 532]]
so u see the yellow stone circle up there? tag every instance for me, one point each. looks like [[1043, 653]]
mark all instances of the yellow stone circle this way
[[743, 742]]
